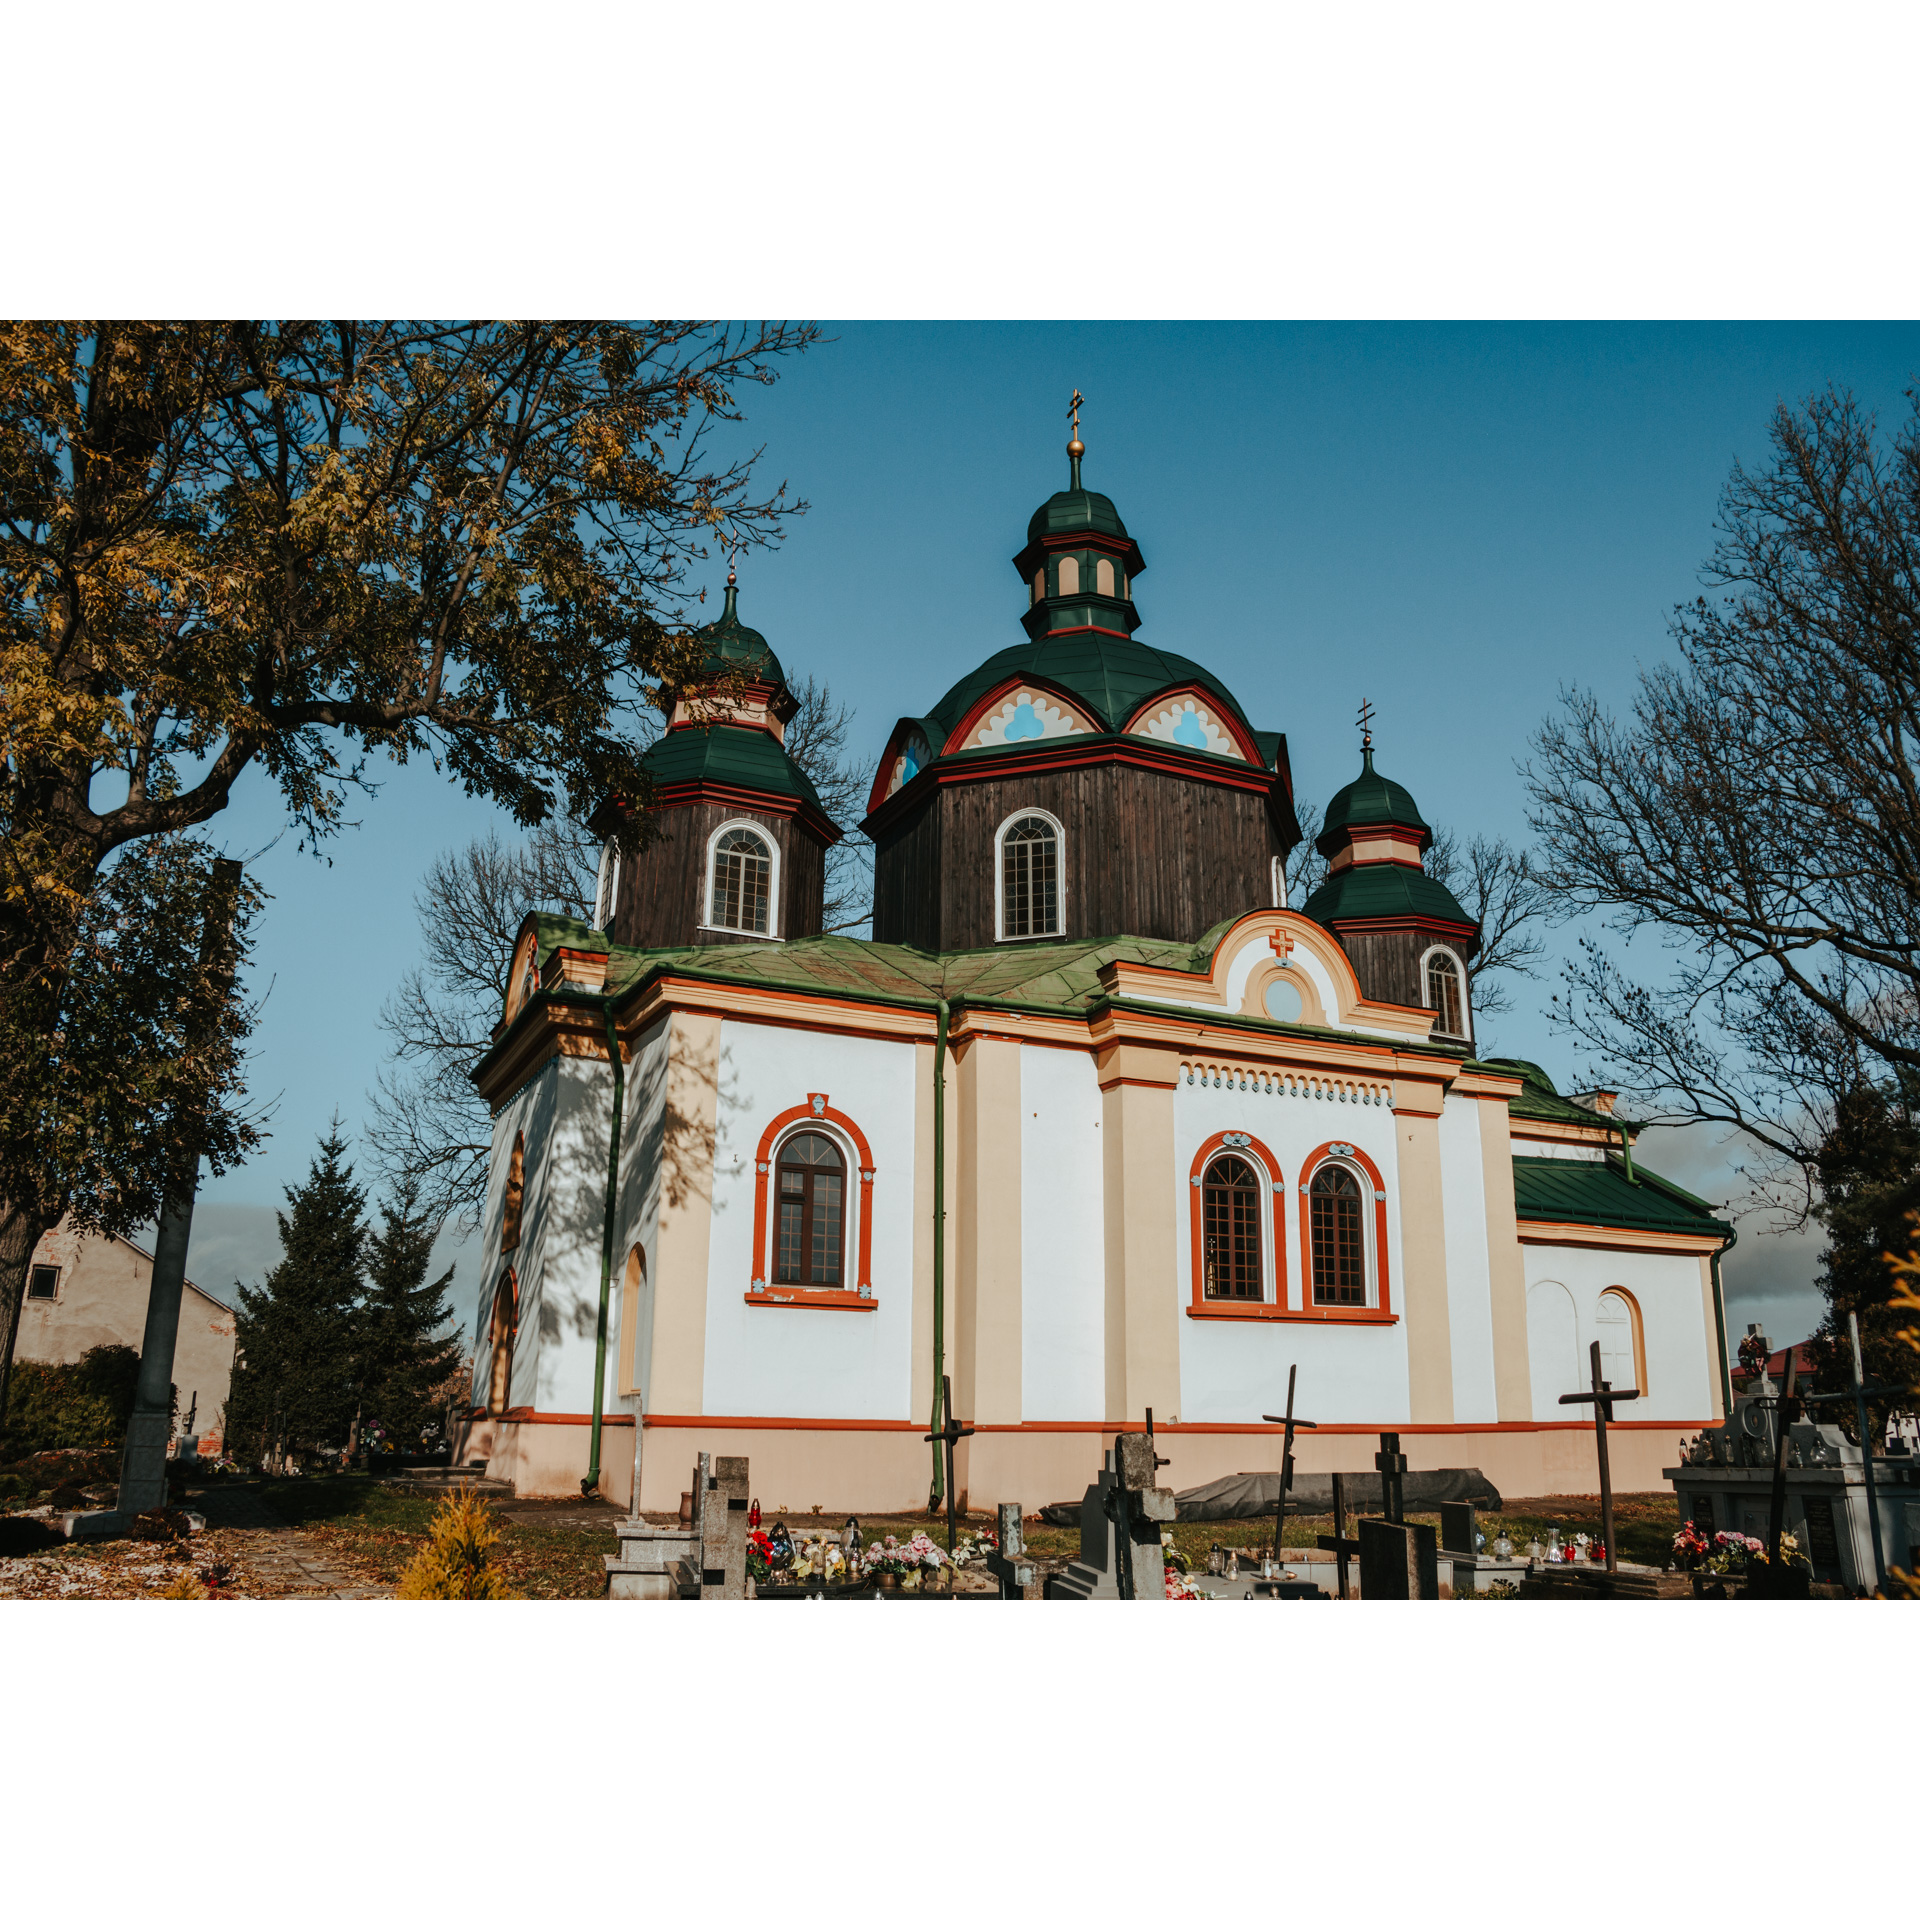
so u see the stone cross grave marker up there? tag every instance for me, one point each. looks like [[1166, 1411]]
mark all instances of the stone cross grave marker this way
[[723, 1530], [1398, 1562], [1019, 1578], [1601, 1399], [1289, 1420], [949, 1436], [1120, 1521], [1391, 1464]]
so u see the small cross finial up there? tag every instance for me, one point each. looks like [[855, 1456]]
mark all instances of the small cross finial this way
[[1365, 724], [1074, 446]]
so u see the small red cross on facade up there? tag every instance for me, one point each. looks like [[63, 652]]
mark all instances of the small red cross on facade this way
[[1282, 944]]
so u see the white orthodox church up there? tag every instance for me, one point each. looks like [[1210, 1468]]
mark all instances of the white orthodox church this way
[[1098, 1122]]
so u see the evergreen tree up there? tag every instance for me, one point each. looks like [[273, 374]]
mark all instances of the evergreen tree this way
[[1868, 1173], [405, 1360], [297, 1337]]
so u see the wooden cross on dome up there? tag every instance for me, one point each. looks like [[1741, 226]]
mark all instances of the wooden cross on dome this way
[[1073, 412]]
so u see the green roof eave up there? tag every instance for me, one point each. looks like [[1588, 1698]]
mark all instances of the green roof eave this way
[[1598, 1193], [747, 757], [1383, 890]]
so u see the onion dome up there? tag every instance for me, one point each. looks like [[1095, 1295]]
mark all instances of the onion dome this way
[[1374, 837], [729, 645], [1079, 562], [1371, 801]]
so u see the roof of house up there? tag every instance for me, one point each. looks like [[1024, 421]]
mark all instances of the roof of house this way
[[730, 755], [1371, 800], [1383, 891], [1541, 1100], [1598, 1193]]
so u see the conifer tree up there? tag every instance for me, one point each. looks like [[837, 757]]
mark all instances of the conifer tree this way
[[297, 1337], [405, 1357]]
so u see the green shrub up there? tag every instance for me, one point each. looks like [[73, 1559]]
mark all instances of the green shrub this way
[[86, 1404]]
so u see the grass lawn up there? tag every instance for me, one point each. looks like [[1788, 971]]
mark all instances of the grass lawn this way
[[382, 1528]]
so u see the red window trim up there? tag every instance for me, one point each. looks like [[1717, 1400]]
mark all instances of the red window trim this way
[[1202, 1308], [859, 1296], [1383, 1310]]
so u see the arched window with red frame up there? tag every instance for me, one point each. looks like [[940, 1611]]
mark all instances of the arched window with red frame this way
[[811, 1250], [1337, 1230], [1232, 1267]]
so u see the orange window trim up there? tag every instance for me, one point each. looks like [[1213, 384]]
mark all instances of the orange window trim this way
[[1382, 1309], [1202, 1307], [861, 1292]]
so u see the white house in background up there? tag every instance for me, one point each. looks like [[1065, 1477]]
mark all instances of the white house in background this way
[[1187, 1134]]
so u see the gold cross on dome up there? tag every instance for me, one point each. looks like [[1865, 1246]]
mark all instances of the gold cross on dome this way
[[1365, 724], [1073, 410]]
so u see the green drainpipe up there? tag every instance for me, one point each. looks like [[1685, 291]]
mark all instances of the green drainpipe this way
[[592, 1479], [1626, 1149], [938, 1492], [1720, 1326]]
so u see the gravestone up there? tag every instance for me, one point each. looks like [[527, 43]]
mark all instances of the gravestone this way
[[1019, 1577], [1120, 1520], [1457, 1527], [1398, 1562], [723, 1530]]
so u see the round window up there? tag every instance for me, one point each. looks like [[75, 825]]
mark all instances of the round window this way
[[1283, 1001]]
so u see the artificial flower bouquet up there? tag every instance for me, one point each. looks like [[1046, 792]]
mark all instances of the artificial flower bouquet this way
[[1183, 1586], [908, 1562], [1690, 1549], [974, 1545]]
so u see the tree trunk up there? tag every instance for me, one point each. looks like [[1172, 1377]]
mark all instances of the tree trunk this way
[[19, 1234]]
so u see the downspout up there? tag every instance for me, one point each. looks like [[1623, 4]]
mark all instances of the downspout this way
[[1626, 1149], [1720, 1325], [938, 1492], [592, 1479]]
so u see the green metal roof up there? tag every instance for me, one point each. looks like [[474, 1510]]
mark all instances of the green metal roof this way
[[1598, 1193], [1382, 890], [737, 756], [1542, 1100], [729, 644], [1077, 511], [1108, 674], [1370, 801]]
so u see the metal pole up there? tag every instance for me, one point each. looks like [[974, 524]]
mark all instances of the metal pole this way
[[1777, 1506], [1600, 1411], [1866, 1455], [1286, 1470], [1340, 1528], [939, 1229]]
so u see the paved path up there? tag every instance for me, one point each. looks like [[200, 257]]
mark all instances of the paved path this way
[[286, 1557]]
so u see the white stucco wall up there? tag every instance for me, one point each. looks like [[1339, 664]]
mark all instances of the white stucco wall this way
[[1666, 1287], [818, 1363], [642, 1138], [1062, 1238], [532, 1112], [1463, 1201], [1237, 1369]]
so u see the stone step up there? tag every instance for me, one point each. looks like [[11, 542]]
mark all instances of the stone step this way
[[451, 1480]]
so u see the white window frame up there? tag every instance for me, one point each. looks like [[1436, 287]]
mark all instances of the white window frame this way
[[855, 1188], [708, 924], [1369, 1225], [606, 886], [1269, 1265], [1000, 877], [1426, 993]]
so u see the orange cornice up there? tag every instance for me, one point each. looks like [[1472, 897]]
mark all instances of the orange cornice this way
[[1569, 1132], [680, 793], [1581, 1233]]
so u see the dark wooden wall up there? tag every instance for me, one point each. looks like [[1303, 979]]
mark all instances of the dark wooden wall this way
[[1147, 853], [663, 890], [1387, 966]]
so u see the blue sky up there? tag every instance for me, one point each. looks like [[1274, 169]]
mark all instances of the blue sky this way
[[1455, 521]]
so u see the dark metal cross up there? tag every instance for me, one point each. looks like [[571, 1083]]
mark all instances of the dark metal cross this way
[[1391, 1465], [1601, 1399], [1289, 1421], [949, 1436], [1336, 1542]]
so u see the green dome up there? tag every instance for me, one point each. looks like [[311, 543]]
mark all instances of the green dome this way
[[1371, 801], [1108, 674], [1076, 511], [728, 645], [1383, 891]]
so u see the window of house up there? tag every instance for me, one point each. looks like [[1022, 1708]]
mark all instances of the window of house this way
[[43, 1283], [742, 891], [1230, 1204], [811, 1250], [1029, 878], [1619, 1360], [1103, 577], [1339, 1248], [1444, 993], [1039, 586], [1069, 574], [511, 1205], [609, 888]]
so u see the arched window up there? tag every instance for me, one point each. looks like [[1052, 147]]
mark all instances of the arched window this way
[[1554, 1358], [1617, 1323], [1446, 993], [1069, 574], [1039, 586], [1029, 877], [811, 1245], [1230, 1206], [523, 979], [516, 1194], [608, 890], [505, 1327], [740, 896], [1337, 1231], [1103, 576]]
